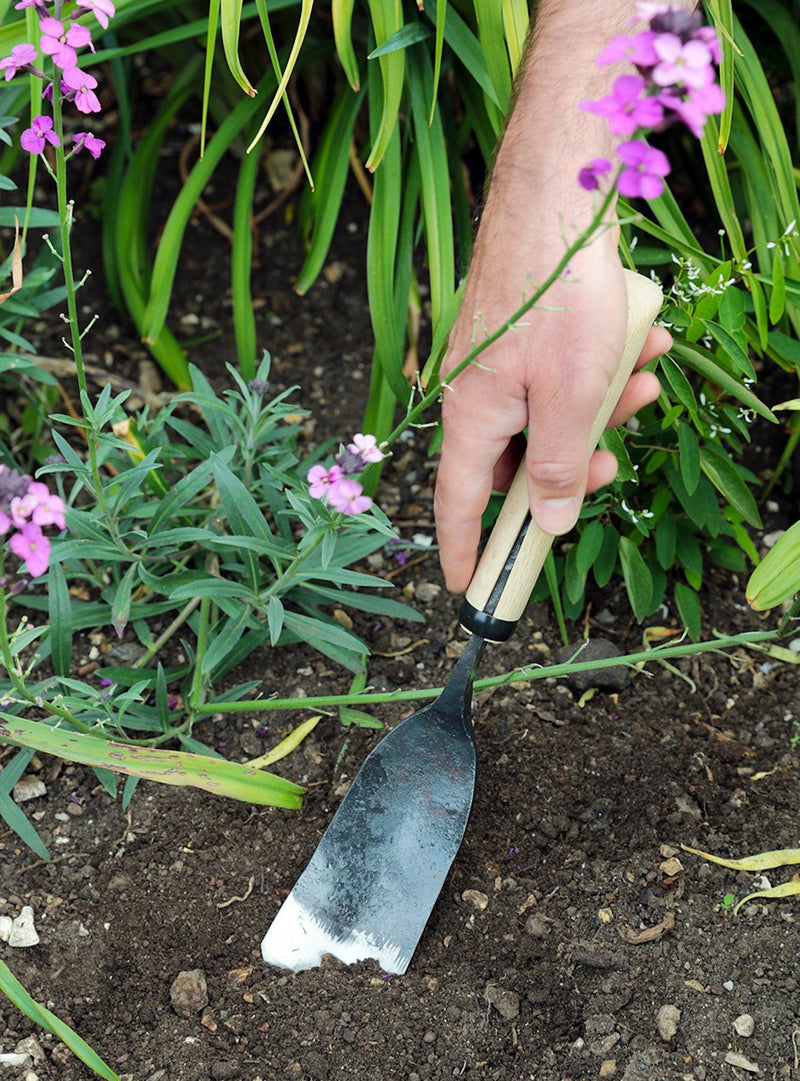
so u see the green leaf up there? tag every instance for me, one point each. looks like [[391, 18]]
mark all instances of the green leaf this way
[[348, 715], [733, 350], [606, 559], [342, 17], [589, 545], [703, 362], [387, 19], [612, 440], [725, 477], [331, 168], [680, 385], [39, 1014], [407, 35], [274, 619], [217, 776], [434, 179], [688, 604], [315, 631], [465, 46], [60, 607], [121, 605], [13, 815], [777, 576], [666, 534], [777, 300], [574, 579], [37, 218], [638, 580], [689, 455]]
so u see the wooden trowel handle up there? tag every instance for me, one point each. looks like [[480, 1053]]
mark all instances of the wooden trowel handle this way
[[516, 550]]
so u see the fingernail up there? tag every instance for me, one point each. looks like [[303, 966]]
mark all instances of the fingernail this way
[[556, 516]]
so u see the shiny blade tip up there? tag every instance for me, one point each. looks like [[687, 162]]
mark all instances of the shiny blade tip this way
[[297, 940]]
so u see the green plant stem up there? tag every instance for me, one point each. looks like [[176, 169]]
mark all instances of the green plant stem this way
[[65, 215], [518, 675], [18, 683], [166, 634], [196, 692], [432, 395], [280, 583]]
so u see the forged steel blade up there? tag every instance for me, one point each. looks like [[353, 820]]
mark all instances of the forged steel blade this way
[[373, 880]]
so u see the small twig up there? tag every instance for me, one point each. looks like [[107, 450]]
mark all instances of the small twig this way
[[245, 895]]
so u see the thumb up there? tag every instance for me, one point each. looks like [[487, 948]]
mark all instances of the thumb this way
[[555, 489]]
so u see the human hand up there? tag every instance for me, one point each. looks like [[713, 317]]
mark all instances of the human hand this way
[[550, 374]]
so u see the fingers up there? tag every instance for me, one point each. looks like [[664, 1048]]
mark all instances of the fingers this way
[[558, 449], [480, 453], [463, 486], [560, 471]]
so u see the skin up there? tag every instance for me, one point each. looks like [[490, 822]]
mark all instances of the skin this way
[[552, 373]]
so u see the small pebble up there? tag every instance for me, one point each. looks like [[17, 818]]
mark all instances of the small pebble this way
[[505, 1002], [23, 933], [608, 1068], [670, 867], [31, 1046], [427, 592], [744, 1025], [475, 898], [189, 993], [28, 788], [733, 1058], [667, 1021]]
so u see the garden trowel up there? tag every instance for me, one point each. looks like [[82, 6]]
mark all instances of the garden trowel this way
[[373, 880]]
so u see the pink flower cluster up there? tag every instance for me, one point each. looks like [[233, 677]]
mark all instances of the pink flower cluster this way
[[26, 506], [60, 39], [336, 484], [676, 61]]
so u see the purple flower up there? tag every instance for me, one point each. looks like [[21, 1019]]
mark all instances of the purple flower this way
[[675, 20], [346, 497], [85, 139], [103, 10], [33, 139], [40, 505], [589, 176], [62, 44], [21, 56], [32, 547], [321, 480], [680, 64], [366, 446], [644, 170], [695, 107], [708, 35], [82, 84], [638, 50], [625, 108], [648, 11]]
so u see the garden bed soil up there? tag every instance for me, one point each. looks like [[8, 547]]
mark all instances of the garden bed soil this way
[[561, 947]]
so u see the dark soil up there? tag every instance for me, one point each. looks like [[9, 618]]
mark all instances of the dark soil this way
[[558, 939]]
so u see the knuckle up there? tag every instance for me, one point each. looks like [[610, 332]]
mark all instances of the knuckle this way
[[556, 476]]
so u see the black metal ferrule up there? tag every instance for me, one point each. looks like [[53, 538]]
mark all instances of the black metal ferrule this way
[[481, 623]]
